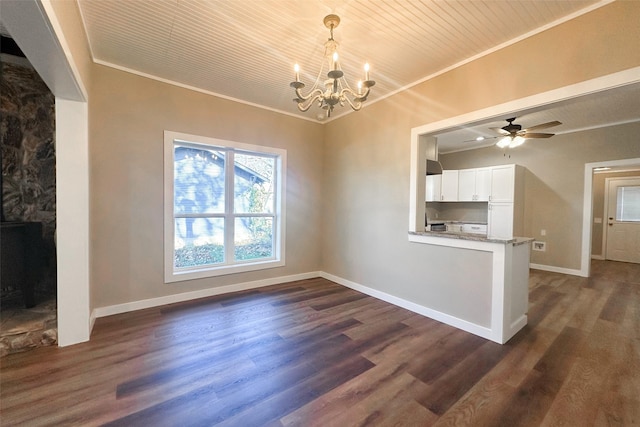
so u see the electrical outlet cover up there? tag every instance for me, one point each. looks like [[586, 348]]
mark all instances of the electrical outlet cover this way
[[539, 246]]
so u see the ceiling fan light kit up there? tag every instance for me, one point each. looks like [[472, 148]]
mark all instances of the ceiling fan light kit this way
[[335, 89], [514, 135]]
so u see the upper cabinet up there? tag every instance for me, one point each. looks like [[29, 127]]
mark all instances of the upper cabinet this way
[[449, 189], [433, 192], [474, 185], [503, 180], [490, 184]]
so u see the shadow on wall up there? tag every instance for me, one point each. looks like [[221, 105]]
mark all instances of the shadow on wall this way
[[549, 218]]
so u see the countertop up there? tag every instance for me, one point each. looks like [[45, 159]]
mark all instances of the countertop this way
[[475, 237], [446, 221]]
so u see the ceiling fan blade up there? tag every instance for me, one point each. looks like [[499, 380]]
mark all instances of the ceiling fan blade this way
[[537, 135], [543, 126], [500, 131]]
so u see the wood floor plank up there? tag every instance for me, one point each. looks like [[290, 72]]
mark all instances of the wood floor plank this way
[[456, 381], [533, 398], [328, 408], [314, 353], [616, 306]]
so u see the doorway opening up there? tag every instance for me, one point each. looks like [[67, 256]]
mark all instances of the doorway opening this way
[[593, 219], [28, 291]]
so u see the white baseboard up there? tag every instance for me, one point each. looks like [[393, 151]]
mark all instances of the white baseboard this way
[[416, 308], [186, 296], [600, 257], [456, 322], [555, 269]]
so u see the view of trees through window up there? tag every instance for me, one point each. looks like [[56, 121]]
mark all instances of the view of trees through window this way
[[215, 219]]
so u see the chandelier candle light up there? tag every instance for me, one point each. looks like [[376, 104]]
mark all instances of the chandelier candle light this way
[[336, 89]]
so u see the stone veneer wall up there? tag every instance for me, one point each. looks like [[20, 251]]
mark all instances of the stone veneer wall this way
[[27, 137]]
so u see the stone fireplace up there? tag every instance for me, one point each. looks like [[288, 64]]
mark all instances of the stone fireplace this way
[[27, 137]]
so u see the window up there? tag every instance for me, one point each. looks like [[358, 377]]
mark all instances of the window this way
[[628, 203], [224, 207]]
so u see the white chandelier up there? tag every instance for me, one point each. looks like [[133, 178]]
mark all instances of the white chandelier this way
[[336, 89]]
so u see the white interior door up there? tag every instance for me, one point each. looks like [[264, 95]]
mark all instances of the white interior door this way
[[623, 220]]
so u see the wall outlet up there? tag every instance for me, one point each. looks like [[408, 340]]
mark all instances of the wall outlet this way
[[540, 246], [543, 232]]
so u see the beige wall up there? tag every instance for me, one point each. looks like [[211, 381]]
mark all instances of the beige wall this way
[[367, 155], [128, 115], [598, 206]]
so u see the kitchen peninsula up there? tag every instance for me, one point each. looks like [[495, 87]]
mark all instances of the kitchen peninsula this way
[[499, 292], [477, 282]]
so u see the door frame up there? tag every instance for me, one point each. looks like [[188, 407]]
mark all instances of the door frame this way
[[587, 209]]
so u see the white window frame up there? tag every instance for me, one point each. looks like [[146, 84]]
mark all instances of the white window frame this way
[[171, 274]]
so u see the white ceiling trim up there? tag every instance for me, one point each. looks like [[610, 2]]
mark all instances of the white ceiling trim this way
[[197, 89], [586, 128]]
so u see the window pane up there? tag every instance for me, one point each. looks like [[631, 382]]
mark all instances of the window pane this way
[[253, 238], [198, 182], [628, 204], [198, 241], [253, 183]]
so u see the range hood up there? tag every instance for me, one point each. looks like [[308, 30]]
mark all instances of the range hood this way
[[434, 167]]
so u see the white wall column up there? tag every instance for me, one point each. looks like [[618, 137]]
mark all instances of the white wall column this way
[[72, 193]]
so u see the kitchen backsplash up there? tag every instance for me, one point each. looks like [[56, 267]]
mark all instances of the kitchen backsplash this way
[[457, 211]]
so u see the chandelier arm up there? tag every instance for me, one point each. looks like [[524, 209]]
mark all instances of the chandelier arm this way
[[356, 103], [313, 93], [309, 102], [357, 96], [355, 107]]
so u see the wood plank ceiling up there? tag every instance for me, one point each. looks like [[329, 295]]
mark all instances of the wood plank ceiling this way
[[245, 49]]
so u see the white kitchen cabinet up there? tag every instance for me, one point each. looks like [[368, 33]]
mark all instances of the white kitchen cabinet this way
[[449, 186], [466, 185], [503, 183], [502, 186], [483, 184], [433, 188], [500, 220], [506, 206], [474, 185]]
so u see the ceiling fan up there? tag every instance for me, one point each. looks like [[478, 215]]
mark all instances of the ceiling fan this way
[[514, 135]]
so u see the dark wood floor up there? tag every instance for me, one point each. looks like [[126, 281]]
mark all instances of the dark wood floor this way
[[313, 353]]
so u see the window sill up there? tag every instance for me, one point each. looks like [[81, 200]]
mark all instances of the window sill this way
[[208, 271]]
